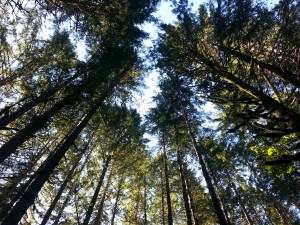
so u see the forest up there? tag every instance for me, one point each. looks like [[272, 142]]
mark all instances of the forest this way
[[75, 150]]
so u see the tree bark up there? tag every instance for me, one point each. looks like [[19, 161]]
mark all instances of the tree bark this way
[[44, 96], [39, 122], [43, 173], [145, 202], [62, 208], [162, 196], [216, 202], [64, 184], [190, 195], [96, 193], [168, 192], [184, 189], [237, 194], [98, 218], [287, 76], [114, 212]]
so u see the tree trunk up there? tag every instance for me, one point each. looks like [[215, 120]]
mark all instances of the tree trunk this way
[[237, 194], [190, 195], [39, 122], [98, 218], [44, 96], [287, 76], [64, 184], [283, 216], [221, 200], [115, 208], [162, 196], [216, 203], [145, 202], [184, 189], [62, 208], [168, 192], [96, 193], [45, 170]]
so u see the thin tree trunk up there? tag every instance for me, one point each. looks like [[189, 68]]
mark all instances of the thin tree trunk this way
[[184, 189], [62, 208], [216, 202], [168, 192], [190, 195], [64, 184], [115, 208], [98, 218], [237, 194], [272, 201], [96, 193], [162, 196], [145, 202], [43, 173]]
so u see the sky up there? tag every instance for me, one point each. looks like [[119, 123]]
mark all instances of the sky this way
[[144, 101]]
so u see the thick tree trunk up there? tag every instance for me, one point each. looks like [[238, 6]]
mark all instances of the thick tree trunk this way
[[221, 200], [44, 96], [43, 173], [115, 208], [96, 193], [64, 184], [98, 218], [40, 121], [184, 189], [168, 192], [216, 202]]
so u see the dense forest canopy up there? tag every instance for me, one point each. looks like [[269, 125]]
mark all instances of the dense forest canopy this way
[[73, 147]]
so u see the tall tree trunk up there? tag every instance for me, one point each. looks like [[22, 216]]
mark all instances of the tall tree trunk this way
[[190, 195], [115, 208], [96, 193], [162, 196], [45, 170], [64, 184], [168, 192], [62, 208], [237, 194], [44, 96], [283, 215], [40, 121], [98, 218], [216, 202], [221, 200], [184, 189], [145, 201]]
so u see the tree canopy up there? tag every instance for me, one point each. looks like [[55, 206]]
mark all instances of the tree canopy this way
[[74, 149]]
